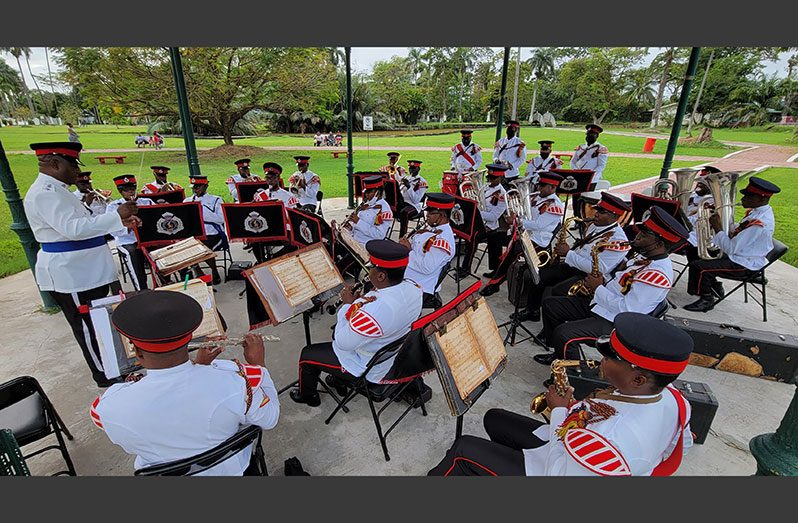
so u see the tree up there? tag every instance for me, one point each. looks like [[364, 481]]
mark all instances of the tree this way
[[10, 86], [667, 59], [542, 64], [16, 52], [395, 93], [69, 112]]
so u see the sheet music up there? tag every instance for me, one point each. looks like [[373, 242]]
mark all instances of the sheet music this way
[[321, 270], [465, 360], [348, 238], [203, 294], [293, 279], [486, 334]]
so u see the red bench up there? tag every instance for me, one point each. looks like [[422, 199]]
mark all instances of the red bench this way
[[117, 159], [336, 154]]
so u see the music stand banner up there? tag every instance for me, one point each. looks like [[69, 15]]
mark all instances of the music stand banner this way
[[261, 221], [393, 195], [168, 223], [641, 203], [465, 218], [159, 198], [305, 228], [247, 190], [575, 181], [359, 180]]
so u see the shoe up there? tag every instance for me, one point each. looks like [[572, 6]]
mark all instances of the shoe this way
[[103, 384], [541, 337], [411, 397], [333, 382], [310, 401], [519, 313], [489, 289], [431, 302], [217, 280], [462, 273], [544, 359], [717, 290], [526, 315], [488, 274], [703, 304]]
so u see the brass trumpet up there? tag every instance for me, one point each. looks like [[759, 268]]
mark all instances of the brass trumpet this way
[[560, 380], [100, 195], [169, 186]]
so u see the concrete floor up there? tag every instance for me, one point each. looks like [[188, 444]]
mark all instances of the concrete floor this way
[[41, 345]]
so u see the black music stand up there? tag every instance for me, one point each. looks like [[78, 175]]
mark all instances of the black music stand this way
[[466, 222], [246, 190], [574, 183], [160, 198]]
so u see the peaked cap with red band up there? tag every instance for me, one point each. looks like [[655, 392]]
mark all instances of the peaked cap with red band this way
[[69, 150], [613, 204], [301, 160], [373, 182], [414, 163], [158, 321], [496, 169], [198, 180], [271, 167], [439, 200], [161, 169], [125, 179], [594, 127], [708, 169], [664, 224], [243, 162], [760, 187], [466, 131], [387, 254], [550, 178], [393, 153], [512, 123], [648, 343]]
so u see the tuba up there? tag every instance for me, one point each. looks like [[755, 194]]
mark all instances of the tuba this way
[[473, 187], [722, 186], [560, 380], [519, 199]]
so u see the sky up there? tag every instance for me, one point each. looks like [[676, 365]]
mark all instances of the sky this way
[[363, 59]]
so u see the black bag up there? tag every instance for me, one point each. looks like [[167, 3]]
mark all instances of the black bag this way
[[519, 282], [236, 270], [294, 468]]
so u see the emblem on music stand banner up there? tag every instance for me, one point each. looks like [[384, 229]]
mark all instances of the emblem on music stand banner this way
[[305, 227], [457, 216], [169, 224], [176, 196], [260, 221], [470, 222], [641, 206], [575, 181], [254, 222], [304, 232]]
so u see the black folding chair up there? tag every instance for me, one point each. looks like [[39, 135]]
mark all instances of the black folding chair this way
[[403, 381], [436, 302], [242, 439], [319, 197], [756, 279], [31, 416]]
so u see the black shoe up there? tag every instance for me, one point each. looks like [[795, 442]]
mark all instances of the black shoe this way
[[217, 280], [310, 401], [526, 315], [410, 395], [104, 383], [462, 273], [340, 388], [544, 359], [431, 302], [541, 338], [717, 290], [489, 289], [488, 274], [703, 304]]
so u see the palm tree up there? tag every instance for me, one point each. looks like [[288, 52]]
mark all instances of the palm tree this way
[[16, 52], [38, 89], [662, 82], [542, 64], [10, 86], [50, 76], [415, 58]]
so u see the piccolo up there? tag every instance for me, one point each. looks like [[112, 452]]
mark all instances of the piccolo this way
[[229, 342]]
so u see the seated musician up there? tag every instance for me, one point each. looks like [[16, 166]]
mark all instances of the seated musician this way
[[637, 285], [431, 248], [212, 218], [545, 161], [160, 184], [637, 427], [306, 182], [413, 188], [182, 408], [700, 196], [272, 172], [744, 248], [393, 169], [243, 175], [365, 324], [494, 196], [126, 243], [90, 197], [547, 212], [576, 262]]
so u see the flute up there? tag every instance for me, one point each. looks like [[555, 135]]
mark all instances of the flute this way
[[229, 342]]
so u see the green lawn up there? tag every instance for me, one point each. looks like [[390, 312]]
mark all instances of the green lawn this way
[[332, 172], [770, 135]]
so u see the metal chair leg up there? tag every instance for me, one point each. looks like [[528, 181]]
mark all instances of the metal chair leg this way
[[377, 424], [764, 299]]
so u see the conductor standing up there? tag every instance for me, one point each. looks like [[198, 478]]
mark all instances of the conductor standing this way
[[74, 264]]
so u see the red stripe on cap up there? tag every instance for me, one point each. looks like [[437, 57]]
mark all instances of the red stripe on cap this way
[[160, 346], [756, 190], [610, 207], [373, 185], [199, 181], [125, 181], [389, 264], [551, 181], [438, 205], [665, 233], [495, 173], [58, 150], [652, 364]]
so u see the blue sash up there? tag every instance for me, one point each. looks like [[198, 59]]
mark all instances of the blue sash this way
[[77, 245]]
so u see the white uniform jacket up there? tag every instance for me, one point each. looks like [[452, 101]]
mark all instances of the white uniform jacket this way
[[631, 442], [373, 223], [55, 215], [125, 236], [373, 321], [155, 187], [97, 207], [751, 240], [538, 164], [492, 212], [609, 257], [649, 282], [182, 411], [237, 178], [289, 200], [593, 157], [466, 157], [307, 196], [507, 152], [430, 252], [546, 215], [415, 193], [211, 212]]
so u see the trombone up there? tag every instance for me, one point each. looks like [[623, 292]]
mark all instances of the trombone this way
[[100, 196]]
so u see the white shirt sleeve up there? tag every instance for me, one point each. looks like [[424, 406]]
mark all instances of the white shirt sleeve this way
[[60, 215], [737, 246]]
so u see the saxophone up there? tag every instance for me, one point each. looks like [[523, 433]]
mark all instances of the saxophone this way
[[548, 257], [560, 380]]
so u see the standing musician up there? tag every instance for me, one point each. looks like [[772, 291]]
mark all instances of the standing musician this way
[[543, 162], [591, 154], [466, 155], [510, 151], [365, 324], [272, 172], [547, 213], [212, 218], [637, 427], [126, 243], [182, 408], [243, 175], [89, 196], [160, 184], [432, 247], [638, 285], [74, 264], [306, 182], [576, 262], [413, 188], [393, 169], [494, 195], [744, 249]]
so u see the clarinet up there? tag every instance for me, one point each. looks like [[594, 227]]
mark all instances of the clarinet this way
[[332, 309]]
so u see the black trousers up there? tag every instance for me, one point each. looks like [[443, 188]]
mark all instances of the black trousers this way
[[136, 263], [702, 274], [211, 241], [315, 359], [82, 327], [568, 319], [261, 254], [554, 278], [496, 240], [502, 455], [406, 213]]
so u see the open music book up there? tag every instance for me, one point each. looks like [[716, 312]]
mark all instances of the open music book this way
[[355, 247], [211, 326], [180, 255]]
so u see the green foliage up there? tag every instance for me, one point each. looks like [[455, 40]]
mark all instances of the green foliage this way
[[69, 113]]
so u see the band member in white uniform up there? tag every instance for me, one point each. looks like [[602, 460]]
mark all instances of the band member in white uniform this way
[[510, 150], [272, 172], [126, 242], [365, 324], [373, 218], [544, 162], [307, 182], [413, 187], [87, 195], [182, 408], [160, 172], [243, 175], [466, 155], [638, 427], [432, 248], [591, 154], [393, 168], [212, 217], [74, 264], [700, 196]]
